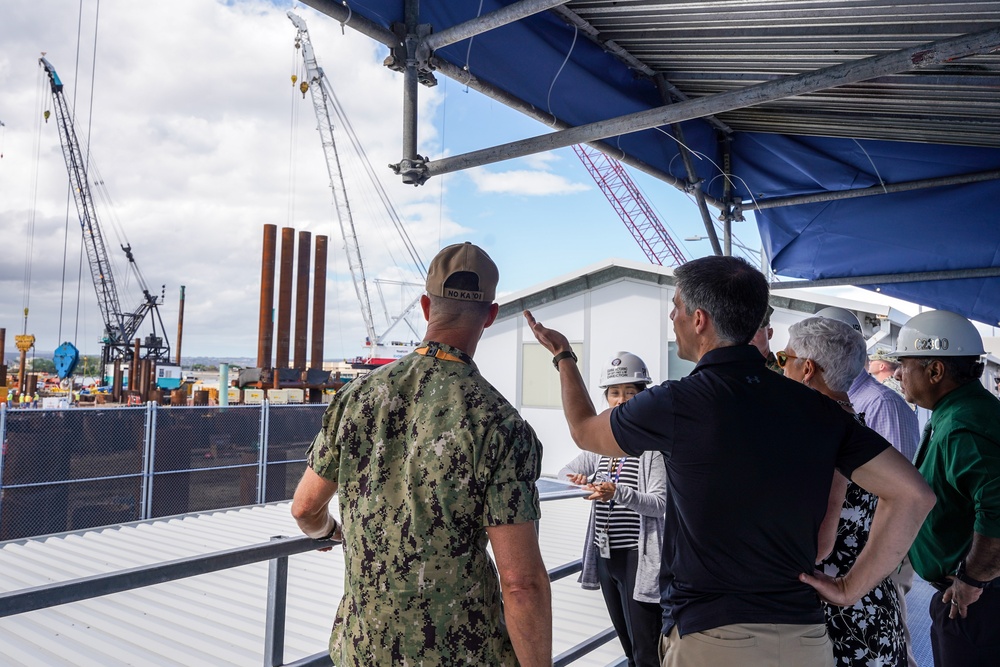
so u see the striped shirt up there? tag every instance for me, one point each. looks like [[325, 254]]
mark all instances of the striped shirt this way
[[621, 523]]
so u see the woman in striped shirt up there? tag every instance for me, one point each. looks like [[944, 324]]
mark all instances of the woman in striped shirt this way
[[621, 554]]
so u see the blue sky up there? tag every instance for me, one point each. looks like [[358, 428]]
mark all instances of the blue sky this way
[[201, 138]]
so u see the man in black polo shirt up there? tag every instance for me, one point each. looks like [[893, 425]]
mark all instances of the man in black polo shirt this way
[[750, 458]]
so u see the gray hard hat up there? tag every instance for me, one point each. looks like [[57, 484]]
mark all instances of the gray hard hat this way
[[938, 333], [841, 315]]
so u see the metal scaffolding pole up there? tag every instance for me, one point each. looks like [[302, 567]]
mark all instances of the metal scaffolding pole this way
[[485, 23], [888, 188], [466, 78], [342, 12], [410, 86], [925, 55], [890, 278]]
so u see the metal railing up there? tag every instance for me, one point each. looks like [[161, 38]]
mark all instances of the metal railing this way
[[74, 468], [276, 552]]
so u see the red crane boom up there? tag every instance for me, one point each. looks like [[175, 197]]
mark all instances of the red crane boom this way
[[631, 206]]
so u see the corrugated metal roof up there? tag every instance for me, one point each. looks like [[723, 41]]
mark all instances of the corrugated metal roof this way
[[714, 46], [218, 619]]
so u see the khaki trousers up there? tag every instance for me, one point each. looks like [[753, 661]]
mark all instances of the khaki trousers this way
[[749, 645], [902, 581]]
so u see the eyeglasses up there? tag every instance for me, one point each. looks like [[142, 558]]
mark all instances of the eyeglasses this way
[[782, 358]]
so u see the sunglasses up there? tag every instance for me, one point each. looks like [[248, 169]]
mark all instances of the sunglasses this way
[[782, 358]]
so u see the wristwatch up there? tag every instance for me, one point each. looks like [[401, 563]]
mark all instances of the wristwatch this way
[[333, 531], [966, 579], [565, 354]]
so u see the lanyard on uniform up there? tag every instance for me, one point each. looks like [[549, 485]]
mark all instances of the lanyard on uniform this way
[[618, 463], [433, 350]]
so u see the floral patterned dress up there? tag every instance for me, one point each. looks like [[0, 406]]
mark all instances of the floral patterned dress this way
[[869, 634]]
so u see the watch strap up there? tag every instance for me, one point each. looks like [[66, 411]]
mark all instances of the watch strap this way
[[565, 354], [961, 575]]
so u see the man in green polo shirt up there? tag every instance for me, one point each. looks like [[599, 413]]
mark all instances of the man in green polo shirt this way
[[958, 546]]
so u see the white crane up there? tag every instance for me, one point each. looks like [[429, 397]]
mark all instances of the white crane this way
[[325, 105]]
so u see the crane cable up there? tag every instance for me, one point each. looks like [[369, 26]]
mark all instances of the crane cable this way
[[33, 193], [69, 193]]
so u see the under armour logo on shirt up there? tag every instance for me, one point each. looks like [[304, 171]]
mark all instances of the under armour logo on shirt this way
[[753, 379]]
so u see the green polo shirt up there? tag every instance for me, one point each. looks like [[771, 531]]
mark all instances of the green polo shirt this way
[[961, 462]]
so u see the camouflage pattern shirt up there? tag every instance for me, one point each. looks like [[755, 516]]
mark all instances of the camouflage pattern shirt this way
[[426, 454]]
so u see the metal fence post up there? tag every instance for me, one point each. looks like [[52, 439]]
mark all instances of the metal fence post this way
[[149, 452], [277, 598], [3, 448], [262, 451]]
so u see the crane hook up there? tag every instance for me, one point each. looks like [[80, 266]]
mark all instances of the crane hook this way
[[304, 87], [295, 77], [47, 114]]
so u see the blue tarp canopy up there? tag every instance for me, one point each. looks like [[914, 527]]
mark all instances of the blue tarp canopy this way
[[807, 103]]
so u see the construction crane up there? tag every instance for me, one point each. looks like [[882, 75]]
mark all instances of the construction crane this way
[[120, 326], [631, 206], [326, 106]]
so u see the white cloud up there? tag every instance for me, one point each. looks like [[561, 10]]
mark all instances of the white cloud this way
[[542, 161], [524, 182]]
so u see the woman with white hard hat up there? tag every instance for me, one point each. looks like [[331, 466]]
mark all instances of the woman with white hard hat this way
[[621, 553]]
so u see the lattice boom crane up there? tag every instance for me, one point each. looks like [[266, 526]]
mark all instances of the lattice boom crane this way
[[120, 327], [631, 206]]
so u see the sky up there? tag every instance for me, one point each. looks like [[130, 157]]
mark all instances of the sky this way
[[200, 138]]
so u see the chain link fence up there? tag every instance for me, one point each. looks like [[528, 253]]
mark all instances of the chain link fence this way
[[68, 469]]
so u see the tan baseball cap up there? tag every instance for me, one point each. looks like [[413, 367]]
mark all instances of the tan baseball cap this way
[[458, 258]]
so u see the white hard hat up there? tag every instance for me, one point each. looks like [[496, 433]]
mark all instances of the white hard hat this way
[[624, 368], [938, 333], [841, 315]]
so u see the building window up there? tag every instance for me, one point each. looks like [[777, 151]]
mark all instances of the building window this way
[[539, 381]]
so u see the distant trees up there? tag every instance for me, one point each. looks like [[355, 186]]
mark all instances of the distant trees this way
[[205, 367], [42, 365]]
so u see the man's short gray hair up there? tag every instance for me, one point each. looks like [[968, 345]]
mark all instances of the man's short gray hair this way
[[837, 348]]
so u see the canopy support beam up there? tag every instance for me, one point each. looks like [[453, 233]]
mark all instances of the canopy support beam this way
[[890, 278], [925, 55], [888, 188]]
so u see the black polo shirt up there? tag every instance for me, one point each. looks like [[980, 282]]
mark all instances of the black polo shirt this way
[[750, 457]]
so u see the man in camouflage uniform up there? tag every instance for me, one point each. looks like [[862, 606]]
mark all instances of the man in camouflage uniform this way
[[430, 463], [883, 368]]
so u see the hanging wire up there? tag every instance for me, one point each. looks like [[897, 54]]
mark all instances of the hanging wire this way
[[468, 50], [872, 162], [548, 97], [350, 13]]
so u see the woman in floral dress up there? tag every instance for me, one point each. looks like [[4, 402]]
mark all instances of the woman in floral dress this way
[[827, 355]]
